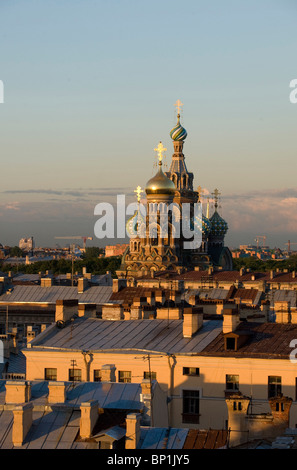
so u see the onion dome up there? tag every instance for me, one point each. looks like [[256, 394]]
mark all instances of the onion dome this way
[[135, 225], [178, 133], [219, 226], [204, 225], [160, 183]]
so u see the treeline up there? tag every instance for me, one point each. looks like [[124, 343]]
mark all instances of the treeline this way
[[259, 265], [89, 260]]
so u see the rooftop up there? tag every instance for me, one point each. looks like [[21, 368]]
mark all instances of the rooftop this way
[[137, 335], [49, 295]]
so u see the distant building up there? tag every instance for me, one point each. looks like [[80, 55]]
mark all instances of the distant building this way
[[116, 250], [26, 244]]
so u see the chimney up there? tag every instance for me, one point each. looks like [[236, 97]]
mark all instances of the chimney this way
[[112, 312], [82, 285], [118, 284], [108, 373], [282, 311], [237, 423], [135, 312], [293, 274], [193, 321], [160, 296], [132, 430], [22, 422], [242, 271], [230, 320], [46, 282], [87, 310], [280, 409], [146, 399], [271, 274], [56, 392], [17, 391], [210, 270], [150, 297], [30, 333], [88, 418], [65, 309]]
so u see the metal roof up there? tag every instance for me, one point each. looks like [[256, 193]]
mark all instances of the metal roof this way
[[38, 294], [110, 395], [150, 335]]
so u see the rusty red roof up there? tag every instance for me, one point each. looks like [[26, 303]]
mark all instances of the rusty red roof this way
[[265, 340]]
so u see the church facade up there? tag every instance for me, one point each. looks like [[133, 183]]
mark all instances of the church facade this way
[[152, 248]]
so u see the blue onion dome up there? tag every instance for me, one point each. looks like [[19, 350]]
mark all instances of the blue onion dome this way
[[135, 225], [160, 184], [203, 224], [178, 133], [219, 226]]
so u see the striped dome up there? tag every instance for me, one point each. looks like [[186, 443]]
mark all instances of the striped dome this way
[[178, 132], [135, 226], [205, 224], [219, 226]]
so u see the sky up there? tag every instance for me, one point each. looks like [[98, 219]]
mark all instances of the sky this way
[[89, 91]]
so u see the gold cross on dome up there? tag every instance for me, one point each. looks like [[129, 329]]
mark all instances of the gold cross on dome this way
[[178, 106], [138, 191], [216, 193], [160, 149]]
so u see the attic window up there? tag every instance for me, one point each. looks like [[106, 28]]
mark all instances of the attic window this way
[[230, 344]]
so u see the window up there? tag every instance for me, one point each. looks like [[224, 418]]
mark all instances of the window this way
[[125, 376], [190, 406], [97, 375], [191, 371], [274, 385], [230, 344], [75, 375], [150, 375], [232, 382], [50, 374]]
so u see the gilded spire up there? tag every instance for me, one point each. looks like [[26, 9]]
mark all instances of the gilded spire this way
[[160, 150], [216, 194]]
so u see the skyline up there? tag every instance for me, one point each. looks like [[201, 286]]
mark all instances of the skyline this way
[[90, 91]]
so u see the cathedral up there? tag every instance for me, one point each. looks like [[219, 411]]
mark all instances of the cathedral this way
[[152, 249]]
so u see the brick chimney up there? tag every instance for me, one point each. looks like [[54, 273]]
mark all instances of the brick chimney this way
[[87, 310], [112, 312], [46, 282], [237, 424], [282, 311], [146, 399], [132, 430], [193, 321], [118, 284], [280, 410], [82, 285], [56, 392], [89, 413], [22, 422], [17, 391], [30, 334], [65, 309], [231, 320], [108, 373]]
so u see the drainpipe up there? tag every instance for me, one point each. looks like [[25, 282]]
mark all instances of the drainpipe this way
[[171, 363]]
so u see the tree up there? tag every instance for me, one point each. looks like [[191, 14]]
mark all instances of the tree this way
[[16, 251]]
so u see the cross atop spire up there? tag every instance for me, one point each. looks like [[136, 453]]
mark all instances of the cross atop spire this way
[[138, 192], [178, 106], [216, 195], [160, 149]]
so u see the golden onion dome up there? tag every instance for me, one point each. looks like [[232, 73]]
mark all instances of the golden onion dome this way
[[160, 184]]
